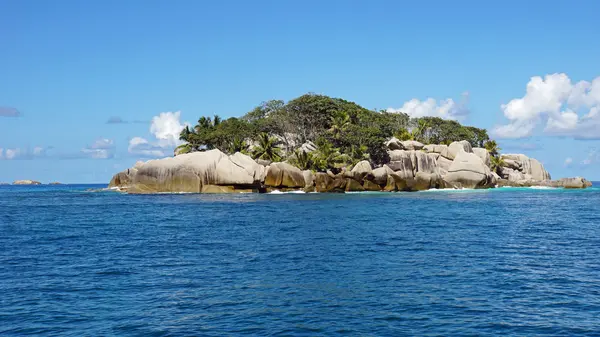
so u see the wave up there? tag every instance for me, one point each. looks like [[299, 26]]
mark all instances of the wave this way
[[287, 192]]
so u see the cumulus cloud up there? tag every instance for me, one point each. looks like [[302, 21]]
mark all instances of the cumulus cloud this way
[[141, 147], [23, 153], [568, 161], [102, 148], [6, 111], [564, 108], [446, 109], [165, 128]]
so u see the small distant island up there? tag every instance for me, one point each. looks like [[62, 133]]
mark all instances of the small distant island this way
[[323, 144], [26, 182]]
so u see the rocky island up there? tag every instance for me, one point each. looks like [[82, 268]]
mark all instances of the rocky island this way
[[315, 143], [26, 182]]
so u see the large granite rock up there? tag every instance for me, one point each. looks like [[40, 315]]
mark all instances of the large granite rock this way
[[412, 145], [353, 186], [309, 178], [455, 147], [435, 148], [192, 171], [123, 179], [528, 166], [284, 175], [380, 175], [577, 182], [326, 183], [401, 163], [394, 144], [360, 170], [238, 169], [26, 182], [483, 154], [468, 171], [443, 164]]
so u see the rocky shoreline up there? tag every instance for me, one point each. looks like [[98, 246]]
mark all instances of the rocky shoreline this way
[[412, 167]]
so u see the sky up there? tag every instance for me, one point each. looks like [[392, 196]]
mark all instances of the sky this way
[[87, 88]]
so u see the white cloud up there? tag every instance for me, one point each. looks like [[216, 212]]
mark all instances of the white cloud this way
[[567, 109], [102, 148], [165, 128], [568, 161], [446, 109], [141, 147], [593, 156], [22, 153]]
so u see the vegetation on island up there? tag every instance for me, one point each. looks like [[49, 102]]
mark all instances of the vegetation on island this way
[[322, 133]]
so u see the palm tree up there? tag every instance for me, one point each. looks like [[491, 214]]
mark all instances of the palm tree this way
[[416, 133], [329, 157], [359, 153], [339, 124], [237, 145], [492, 148], [184, 135], [302, 159], [267, 148], [496, 163]]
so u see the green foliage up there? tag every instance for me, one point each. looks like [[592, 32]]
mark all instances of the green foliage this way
[[492, 148], [328, 157], [344, 131], [184, 148], [267, 148], [441, 131], [238, 145], [302, 160], [496, 163]]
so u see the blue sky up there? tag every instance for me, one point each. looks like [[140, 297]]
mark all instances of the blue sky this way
[[68, 67]]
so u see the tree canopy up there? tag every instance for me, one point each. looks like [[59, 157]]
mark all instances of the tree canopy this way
[[343, 132]]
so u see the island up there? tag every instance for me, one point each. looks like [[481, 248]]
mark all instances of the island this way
[[316, 143], [26, 182]]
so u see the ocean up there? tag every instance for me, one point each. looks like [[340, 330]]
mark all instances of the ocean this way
[[76, 261]]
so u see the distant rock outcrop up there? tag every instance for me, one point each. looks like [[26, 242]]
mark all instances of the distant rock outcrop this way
[[26, 182]]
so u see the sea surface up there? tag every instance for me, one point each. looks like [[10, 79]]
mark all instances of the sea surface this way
[[504, 262]]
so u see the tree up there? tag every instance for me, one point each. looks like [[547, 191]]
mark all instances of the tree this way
[[267, 148], [339, 124], [496, 163], [328, 157], [302, 159], [238, 145], [492, 148]]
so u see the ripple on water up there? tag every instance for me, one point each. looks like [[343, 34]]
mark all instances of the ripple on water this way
[[470, 262]]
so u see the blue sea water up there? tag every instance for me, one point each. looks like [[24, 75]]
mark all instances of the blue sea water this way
[[501, 262]]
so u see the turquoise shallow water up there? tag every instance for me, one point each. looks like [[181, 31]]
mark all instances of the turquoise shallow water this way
[[495, 262]]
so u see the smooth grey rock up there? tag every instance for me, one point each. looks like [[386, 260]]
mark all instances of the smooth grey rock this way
[[412, 145], [468, 171], [483, 154], [394, 144], [455, 147]]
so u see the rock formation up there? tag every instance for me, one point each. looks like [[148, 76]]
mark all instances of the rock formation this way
[[412, 167], [26, 182]]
